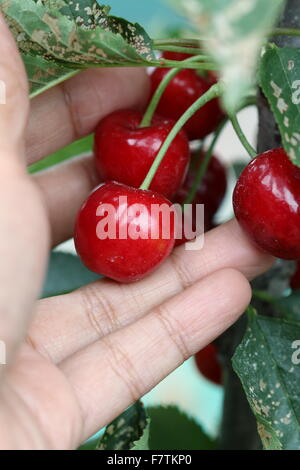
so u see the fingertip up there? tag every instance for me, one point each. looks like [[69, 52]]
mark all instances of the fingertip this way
[[235, 281], [255, 261]]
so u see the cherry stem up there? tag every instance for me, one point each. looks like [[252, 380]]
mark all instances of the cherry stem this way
[[215, 91], [249, 101], [262, 295], [240, 133], [204, 165], [146, 121]]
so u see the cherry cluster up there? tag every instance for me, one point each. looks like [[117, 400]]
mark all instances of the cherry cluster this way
[[125, 151]]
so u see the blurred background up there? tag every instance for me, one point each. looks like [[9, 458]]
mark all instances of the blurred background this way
[[185, 387]]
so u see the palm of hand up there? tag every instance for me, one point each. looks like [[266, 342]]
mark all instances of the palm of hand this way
[[67, 354]]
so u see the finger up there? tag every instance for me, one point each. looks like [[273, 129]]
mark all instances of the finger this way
[[67, 323], [64, 188], [128, 363], [21, 213], [72, 109], [14, 103]]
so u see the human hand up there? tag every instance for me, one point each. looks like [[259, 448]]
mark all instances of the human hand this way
[[76, 361]]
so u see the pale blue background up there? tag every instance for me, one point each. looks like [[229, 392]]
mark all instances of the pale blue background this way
[[154, 15]]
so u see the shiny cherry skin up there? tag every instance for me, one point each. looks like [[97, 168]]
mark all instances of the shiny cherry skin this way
[[124, 151], [208, 364], [295, 279], [181, 93], [266, 203], [123, 255], [175, 55], [210, 193]]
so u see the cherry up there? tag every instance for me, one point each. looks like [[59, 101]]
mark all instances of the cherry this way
[[208, 364], [295, 279], [169, 55], [124, 151], [266, 203], [210, 193], [185, 88], [123, 239]]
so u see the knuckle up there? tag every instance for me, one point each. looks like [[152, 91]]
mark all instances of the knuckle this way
[[72, 109], [179, 268], [173, 331], [88, 171], [99, 311], [123, 367]]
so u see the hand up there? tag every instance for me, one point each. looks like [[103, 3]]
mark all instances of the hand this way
[[76, 361]]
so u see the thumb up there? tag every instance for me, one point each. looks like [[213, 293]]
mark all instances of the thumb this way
[[14, 101]]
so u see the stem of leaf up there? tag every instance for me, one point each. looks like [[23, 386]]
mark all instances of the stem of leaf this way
[[215, 91], [160, 91], [285, 32], [181, 49], [240, 133], [189, 42], [184, 64], [204, 165], [147, 63]]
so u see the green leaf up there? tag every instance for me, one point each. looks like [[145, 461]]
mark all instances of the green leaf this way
[[43, 74], [127, 432], [73, 34], [91, 444], [235, 31], [76, 148], [171, 428], [279, 77], [268, 364], [65, 274], [143, 442]]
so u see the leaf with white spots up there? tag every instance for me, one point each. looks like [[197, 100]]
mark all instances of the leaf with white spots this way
[[75, 34], [43, 74], [129, 431], [268, 364], [280, 81], [235, 31]]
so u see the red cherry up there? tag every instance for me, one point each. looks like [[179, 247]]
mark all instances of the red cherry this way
[[176, 55], [121, 256], [266, 203], [124, 152], [210, 193], [210, 75], [295, 279], [180, 94], [208, 364]]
